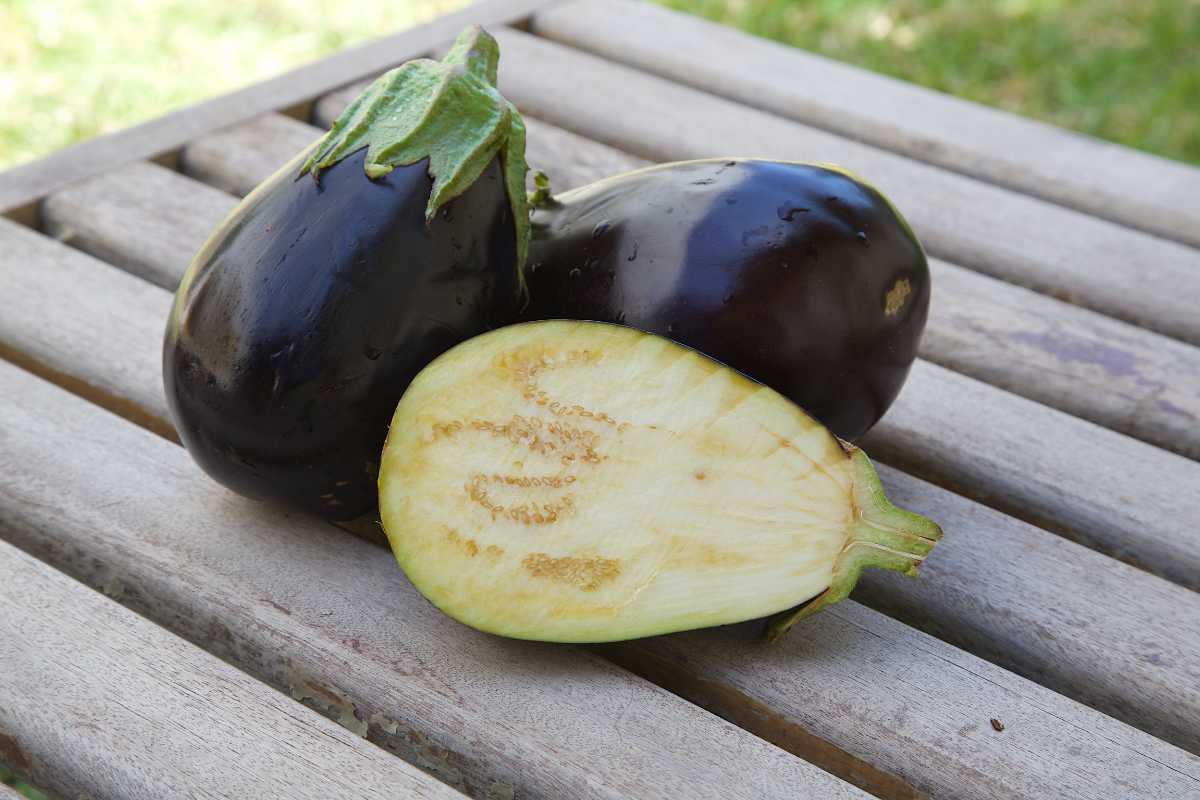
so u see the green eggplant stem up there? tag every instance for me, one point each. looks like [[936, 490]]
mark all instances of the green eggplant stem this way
[[881, 535]]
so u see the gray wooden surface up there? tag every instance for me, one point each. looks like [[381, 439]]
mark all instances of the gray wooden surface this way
[[1028, 460], [1103, 179], [1032, 592], [302, 605], [945, 400], [997, 231], [22, 187], [81, 214], [98, 702]]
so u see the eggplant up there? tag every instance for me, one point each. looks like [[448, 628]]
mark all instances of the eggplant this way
[[587, 482], [300, 322], [802, 276]]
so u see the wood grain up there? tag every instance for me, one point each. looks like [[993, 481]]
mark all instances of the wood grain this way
[[302, 605], [330, 618], [80, 215], [22, 187], [83, 323], [1089, 626], [1092, 366], [1100, 178], [1100, 265], [103, 703]]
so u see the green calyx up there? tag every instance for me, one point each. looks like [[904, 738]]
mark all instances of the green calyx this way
[[881, 536], [447, 111]]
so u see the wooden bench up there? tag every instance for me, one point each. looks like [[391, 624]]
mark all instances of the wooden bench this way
[[1052, 427]]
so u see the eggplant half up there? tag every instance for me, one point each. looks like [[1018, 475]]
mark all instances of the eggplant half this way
[[585, 482], [802, 276], [301, 321]]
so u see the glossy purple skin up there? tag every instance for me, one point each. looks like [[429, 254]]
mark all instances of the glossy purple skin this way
[[296, 331], [780, 270]]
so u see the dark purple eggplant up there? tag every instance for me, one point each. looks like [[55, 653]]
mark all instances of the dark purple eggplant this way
[[300, 323], [801, 276]]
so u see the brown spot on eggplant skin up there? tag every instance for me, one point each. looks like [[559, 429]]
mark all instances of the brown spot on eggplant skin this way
[[586, 573], [896, 297]]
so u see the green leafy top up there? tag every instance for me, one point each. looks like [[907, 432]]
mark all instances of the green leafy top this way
[[448, 111]]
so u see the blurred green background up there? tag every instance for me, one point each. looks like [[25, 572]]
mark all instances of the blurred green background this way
[[1125, 70]]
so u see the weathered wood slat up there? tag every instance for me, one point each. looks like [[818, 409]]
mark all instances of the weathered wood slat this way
[[1109, 372], [998, 586], [57, 303], [1103, 179], [23, 186], [81, 214], [241, 157], [304, 606], [1100, 265], [933, 429], [102, 703]]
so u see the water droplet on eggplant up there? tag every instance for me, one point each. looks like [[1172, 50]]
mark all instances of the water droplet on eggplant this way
[[574, 273], [862, 237], [787, 212], [602, 227]]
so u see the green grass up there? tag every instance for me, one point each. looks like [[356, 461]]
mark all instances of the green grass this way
[[72, 69], [1118, 69], [1123, 70]]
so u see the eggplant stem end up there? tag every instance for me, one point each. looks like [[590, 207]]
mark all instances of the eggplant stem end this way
[[882, 536]]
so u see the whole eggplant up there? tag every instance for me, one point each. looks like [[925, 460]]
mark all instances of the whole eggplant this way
[[300, 323], [801, 276]]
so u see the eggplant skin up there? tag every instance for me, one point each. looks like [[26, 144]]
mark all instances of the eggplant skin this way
[[300, 323], [801, 276]]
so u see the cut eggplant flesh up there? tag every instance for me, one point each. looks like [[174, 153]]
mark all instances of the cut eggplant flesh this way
[[587, 482]]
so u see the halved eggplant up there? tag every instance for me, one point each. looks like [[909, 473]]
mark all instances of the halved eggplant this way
[[299, 324], [802, 276], [586, 482]]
